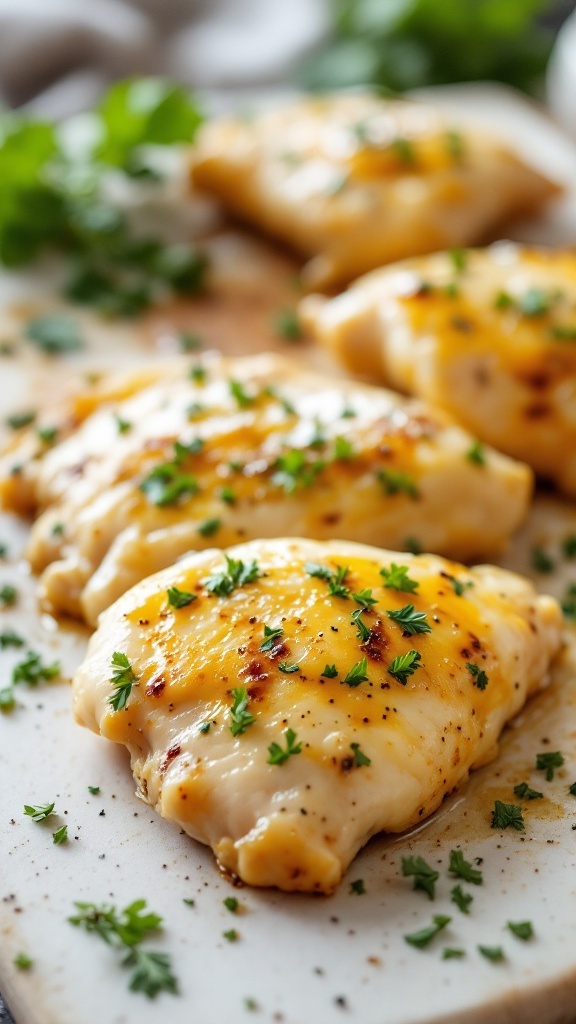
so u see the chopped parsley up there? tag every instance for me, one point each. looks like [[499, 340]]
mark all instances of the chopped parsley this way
[[358, 887], [524, 792], [425, 877], [180, 598], [363, 633], [228, 495], [334, 579], [364, 599], [452, 953], [521, 929], [293, 470], [231, 904], [360, 758], [198, 373], [123, 679], [507, 816], [33, 671], [425, 935], [10, 639], [476, 454], [166, 484], [479, 677], [204, 728], [288, 669], [459, 867], [397, 578], [231, 935], [541, 560], [412, 622], [457, 586], [395, 481], [94, 790], [237, 574], [287, 325], [271, 635], [458, 260], [277, 755], [209, 527], [240, 716], [548, 762], [55, 334], [20, 419], [343, 449], [330, 672], [151, 972], [405, 665], [357, 674], [39, 812], [22, 962], [413, 545], [494, 953], [239, 393], [461, 899], [60, 836], [8, 595], [122, 426]]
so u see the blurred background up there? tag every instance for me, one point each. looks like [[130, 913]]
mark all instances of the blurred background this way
[[57, 57]]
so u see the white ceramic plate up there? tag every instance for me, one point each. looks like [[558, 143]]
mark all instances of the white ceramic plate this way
[[302, 960]]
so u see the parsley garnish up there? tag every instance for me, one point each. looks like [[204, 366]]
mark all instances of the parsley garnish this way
[[123, 426], [395, 481], [166, 484], [461, 899], [241, 718], [358, 887], [10, 639], [479, 677], [548, 762], [507, 816], [279, 756], [330, 672], [39, 812], [405, 665], [541, 560], [94, 790], [32, 671], [397, 578], [60, 836], [205, 727], [360, 758], [412, 622], [237, 575], [422, 938], [287, 325], [364, 599], [8, 595], [476, 454], [22, 962], [271, 635], [209, 527], [458, 260], [180, 598], [238, 391], [413, 545], [424, 876], [343, 449], [54, 334], [334, 579], [7, 701], [228, 495], [231, 935], [198, 373], [151, 972], [363, 633], [20, 419], [357, 674], [231, 904], [288, 669], [494, 953], [521, 929], [459, 867], [451, 953], [123, 679], [524, 792], [293, 470]]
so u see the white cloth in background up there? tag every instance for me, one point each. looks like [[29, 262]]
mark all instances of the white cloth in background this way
[[56, 56]]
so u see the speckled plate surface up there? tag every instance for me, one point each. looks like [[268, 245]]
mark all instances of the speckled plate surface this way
[[298, 960]]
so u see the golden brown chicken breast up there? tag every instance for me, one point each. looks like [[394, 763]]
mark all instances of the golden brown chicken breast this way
[[352, 181], [221, 450], [285, 700], [489, 335]]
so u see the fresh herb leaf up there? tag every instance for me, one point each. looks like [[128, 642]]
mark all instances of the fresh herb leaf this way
[[287, 325], [405, 665], [476, 454], [288, 669], [205, 727], [548, 762], [458, 260], [47, 434], [395, 481], [22, 962], [461, 899], [507, 816], [360, 757], [521, 929], [237, 575], [238, 392], [459, 867], [39, 812], [151, 972], [7, 700], [357, 674], [277, 755], [334, 579], [479, 677], [60, 836], [123, 679], [413, 545], [293, 470], [180, 598], [451, 953], [198, 373], [358, 887], [166, 484], [563, 332], [241, 718], [524, 792], [541, 560], [457, 586], [397, 578], [271, 635], [363, 633], [10, 639], [425, 877], [364, 599], [209, 527], [343, 449], [425, 935], [18, 420], [8, 595], [330, 672], [228, 495], [33, 671], [412, 622], [123, 426], [231, 904], [55, 334], [494, 953], [231, 935], [94, 790]]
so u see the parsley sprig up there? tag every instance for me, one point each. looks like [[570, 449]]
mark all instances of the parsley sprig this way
[[237, 574], [396, 578], [405, 665], [425, 877], [425, 935], [240, 716], [334, 578], [279, 755], [459, 867], [412, 622], [127, 929], [123, 679], [548, 762], [479, 677], [507, 816]]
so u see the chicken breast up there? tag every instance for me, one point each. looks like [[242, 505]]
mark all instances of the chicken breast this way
[[285, 700], [221, 450], [352, 181], [488, 335]]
